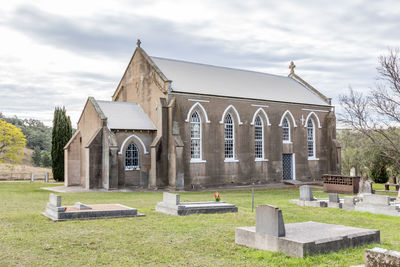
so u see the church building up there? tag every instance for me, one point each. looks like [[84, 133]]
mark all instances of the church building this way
[[186, 125]]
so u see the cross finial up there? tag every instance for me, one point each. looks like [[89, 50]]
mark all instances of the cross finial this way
[[138, 42], [291, 67]]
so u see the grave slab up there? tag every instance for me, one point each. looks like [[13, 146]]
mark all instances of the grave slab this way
[[171, 205], [83, 212], [306, 238], [378, 204]]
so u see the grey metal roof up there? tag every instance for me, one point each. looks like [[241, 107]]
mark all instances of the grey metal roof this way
[[125, 115], [212, 80]]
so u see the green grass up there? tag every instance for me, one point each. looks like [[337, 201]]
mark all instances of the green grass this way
[[28, 238]]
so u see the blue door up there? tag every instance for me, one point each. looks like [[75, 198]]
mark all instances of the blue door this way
[[287, 166]]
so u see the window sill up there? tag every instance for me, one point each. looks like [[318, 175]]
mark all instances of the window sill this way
[[231, 160], [313, 158], [261, 160], [287, 142], [132, 169], [197, 161]]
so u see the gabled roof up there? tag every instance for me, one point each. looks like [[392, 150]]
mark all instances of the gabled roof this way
[[125, 115], [189, 77]]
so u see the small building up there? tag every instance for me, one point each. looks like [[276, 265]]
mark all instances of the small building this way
[[186, 125]]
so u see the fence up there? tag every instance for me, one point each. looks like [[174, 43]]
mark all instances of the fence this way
[[26, 176]]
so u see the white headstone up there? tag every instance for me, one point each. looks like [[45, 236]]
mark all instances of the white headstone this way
[[170, 198], [269, 221], [55, 200], [353, 171]]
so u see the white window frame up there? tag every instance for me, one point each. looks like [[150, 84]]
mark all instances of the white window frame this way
[[200, 159], [232, 159], [262, 158], [313, 157], [289, 141], [133, 168]]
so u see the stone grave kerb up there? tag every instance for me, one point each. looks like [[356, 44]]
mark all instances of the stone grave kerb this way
[[269, 220], [377, 200], [306, 193], [171, 199]]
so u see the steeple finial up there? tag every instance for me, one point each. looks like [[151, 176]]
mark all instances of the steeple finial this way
[[138, 42], [291, 67]]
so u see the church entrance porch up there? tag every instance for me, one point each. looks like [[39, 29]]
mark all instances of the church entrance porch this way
[[287, 166]]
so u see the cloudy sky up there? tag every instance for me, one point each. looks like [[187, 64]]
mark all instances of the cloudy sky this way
[[55, 53]]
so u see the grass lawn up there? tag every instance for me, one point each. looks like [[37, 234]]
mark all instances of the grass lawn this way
[[28, 238]]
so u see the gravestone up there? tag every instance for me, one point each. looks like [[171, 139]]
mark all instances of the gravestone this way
[[172, 199], [306, 193], [334, 198], [269, 221], [55, 200], [365, 187], [353, 171], [398, 197]]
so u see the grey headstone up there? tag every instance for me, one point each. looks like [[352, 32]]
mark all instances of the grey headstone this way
[[55, 200], [334, 197], [377, 200], [365, 187], [81, 206], [171, 198], [269, 221], [306, 193]]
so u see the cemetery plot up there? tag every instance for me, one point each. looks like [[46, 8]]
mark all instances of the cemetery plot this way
[[80, 211], [171, 205], [300, 239]]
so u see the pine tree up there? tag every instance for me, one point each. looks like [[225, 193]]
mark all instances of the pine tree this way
[[62, 132]]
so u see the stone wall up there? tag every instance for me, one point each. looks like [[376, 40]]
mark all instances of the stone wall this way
[[134, 177], [214, 171]]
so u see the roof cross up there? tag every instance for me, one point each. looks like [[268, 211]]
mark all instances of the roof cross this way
[[291, 67]]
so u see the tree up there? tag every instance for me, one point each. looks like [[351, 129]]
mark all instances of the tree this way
[[45, 158], [12, 142], [377, 115], [36, 157], [62, 132]]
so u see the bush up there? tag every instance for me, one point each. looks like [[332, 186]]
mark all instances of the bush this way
[[378, 172], [36, 157]]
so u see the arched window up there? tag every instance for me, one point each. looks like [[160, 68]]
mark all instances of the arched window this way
[[258, 138], [285, 131], [132, 157], [195, 136], [229, 137], [311, 138]]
